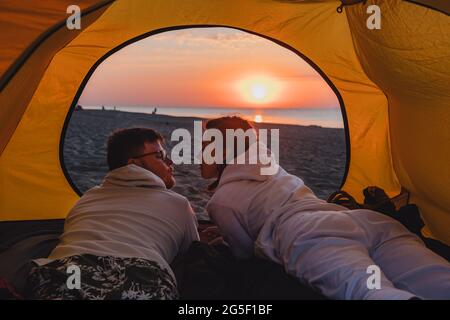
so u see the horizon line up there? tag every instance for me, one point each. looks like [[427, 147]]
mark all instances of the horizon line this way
[[205, 118]]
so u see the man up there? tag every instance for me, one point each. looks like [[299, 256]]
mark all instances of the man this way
[[122, 235]]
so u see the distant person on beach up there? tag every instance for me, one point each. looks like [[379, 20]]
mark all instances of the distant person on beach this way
[[344, 254], [123, 234]]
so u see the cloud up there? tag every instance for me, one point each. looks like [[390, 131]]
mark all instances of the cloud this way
[[192, 63]]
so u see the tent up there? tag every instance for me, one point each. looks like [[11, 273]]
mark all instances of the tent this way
[[392, 83]]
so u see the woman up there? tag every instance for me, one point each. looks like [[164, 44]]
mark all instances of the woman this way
[[358, 254]]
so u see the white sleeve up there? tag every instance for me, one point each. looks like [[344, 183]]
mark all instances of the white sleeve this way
[[191, 233], [231, 230]]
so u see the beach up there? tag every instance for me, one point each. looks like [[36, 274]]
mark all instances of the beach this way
[[315, 154]]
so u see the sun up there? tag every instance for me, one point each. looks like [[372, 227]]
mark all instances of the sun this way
[[259, 89], [258, 118]]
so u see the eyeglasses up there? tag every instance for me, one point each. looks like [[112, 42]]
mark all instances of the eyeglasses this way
[[161, 154]]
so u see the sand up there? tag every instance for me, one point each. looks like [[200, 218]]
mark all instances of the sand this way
[[315, 154]]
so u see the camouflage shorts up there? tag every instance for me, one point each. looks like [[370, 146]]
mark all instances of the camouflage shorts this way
[[102, 278]]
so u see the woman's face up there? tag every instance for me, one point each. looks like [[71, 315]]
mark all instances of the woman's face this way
[[208, 171]]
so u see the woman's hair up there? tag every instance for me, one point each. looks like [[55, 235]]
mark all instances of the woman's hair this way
[[222, 124], [228, 122]]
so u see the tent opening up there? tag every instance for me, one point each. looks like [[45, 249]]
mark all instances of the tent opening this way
[[171, 79]]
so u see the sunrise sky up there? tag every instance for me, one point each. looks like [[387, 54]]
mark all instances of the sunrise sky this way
[[207, 68]]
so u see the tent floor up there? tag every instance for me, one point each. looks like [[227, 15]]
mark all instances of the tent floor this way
[[205, 272]]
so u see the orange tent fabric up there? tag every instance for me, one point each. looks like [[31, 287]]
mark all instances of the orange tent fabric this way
[[392, 84]]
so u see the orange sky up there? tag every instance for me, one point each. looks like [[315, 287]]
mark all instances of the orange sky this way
[[213, 67]]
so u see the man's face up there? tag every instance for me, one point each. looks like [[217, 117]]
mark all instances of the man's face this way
[[151, 158]]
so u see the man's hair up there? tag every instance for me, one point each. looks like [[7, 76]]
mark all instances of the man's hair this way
[[124, 144]]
